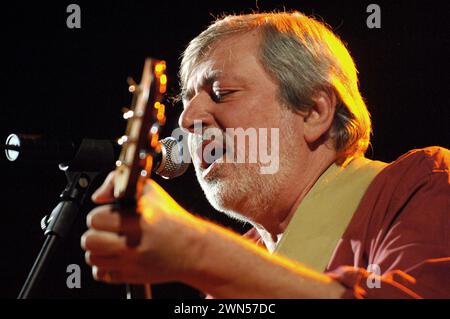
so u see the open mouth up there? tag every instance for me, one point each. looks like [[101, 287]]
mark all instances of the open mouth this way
[[209, 152]]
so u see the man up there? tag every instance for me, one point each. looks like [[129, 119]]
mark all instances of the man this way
[[327, 224]]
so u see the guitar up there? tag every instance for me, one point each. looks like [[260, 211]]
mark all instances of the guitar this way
[[139, 146]]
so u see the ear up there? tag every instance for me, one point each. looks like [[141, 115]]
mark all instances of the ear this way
[[320, 117]]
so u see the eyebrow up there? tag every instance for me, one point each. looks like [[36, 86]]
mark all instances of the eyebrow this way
[[208, 76]]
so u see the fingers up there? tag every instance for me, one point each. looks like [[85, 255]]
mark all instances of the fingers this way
[[116, 276], [103, 243], [110, 232], [120, 276], [106, 275], [111, 259], [105, 194], [110, 262], [104, 218]]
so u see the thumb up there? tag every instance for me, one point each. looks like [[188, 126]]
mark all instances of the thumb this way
[[105, 193]]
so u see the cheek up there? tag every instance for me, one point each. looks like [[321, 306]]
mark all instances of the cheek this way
[[245, 116], [229, 116]]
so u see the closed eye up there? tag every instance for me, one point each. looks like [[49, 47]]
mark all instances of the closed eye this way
[[218, 95]]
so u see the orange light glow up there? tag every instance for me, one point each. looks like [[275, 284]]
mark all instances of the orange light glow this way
[[158, 148], [163, 79], [160, 116], [148, 163], [160, 67], [155, 140]]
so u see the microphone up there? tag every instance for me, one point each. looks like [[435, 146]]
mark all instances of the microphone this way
[[89, 154], [170, 162]]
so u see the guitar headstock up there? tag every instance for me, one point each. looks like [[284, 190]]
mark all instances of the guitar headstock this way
[[140, 143]]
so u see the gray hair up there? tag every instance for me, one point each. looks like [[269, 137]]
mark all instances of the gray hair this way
[[303, 55]]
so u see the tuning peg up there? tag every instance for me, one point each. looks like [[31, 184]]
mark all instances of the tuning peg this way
[[144, 173], [122, 140], [143, 155], [132, 85], [126, 140], [119, 163], [127, 113], [155, 128]]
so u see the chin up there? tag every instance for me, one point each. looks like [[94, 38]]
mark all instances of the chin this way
[[232, 190], [226, 204]]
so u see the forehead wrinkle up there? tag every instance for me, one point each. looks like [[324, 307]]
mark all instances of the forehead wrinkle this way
[[203, 74]]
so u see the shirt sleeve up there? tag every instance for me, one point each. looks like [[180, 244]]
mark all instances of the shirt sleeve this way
[[408, 256], [396, 284]]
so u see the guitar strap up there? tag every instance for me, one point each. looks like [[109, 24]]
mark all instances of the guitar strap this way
[[326, 211]]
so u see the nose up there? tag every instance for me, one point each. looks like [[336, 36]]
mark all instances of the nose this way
[[197, 110]]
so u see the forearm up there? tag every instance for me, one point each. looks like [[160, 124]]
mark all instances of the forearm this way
[[231, 267]]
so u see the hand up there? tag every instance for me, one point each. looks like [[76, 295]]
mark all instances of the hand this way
[[170, 238]]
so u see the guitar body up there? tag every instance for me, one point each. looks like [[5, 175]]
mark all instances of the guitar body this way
[[140, 144]]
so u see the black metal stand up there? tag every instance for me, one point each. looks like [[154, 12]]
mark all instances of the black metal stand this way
[[57, 225]]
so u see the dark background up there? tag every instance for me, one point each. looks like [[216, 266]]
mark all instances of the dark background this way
[[71, 82]]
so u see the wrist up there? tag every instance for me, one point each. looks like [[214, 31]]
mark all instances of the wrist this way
[[218, 263], [195, 248]]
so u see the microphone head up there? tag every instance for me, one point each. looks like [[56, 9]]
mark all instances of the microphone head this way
[[172, 164], [12, 147]]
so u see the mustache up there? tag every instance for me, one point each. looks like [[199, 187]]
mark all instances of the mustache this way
[[213, 144], [208, 146], [210, 134]]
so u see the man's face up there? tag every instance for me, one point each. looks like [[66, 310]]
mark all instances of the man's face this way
[[230, 89]]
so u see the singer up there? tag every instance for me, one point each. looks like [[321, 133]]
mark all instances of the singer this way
[[329, 223]]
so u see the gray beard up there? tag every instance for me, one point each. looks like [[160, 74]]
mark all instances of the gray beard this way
[[239, 189], [241, 192]]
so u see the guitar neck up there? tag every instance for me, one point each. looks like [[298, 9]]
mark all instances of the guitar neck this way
[[139, 144]]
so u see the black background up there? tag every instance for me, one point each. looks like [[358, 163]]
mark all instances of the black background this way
[[71, 82]]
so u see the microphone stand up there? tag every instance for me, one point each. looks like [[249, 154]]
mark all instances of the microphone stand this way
[[57, 225]]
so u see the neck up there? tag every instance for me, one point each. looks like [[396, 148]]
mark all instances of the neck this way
[[303, 178]]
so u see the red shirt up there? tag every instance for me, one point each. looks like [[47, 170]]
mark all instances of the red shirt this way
[[402, 226], [400, 232]]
